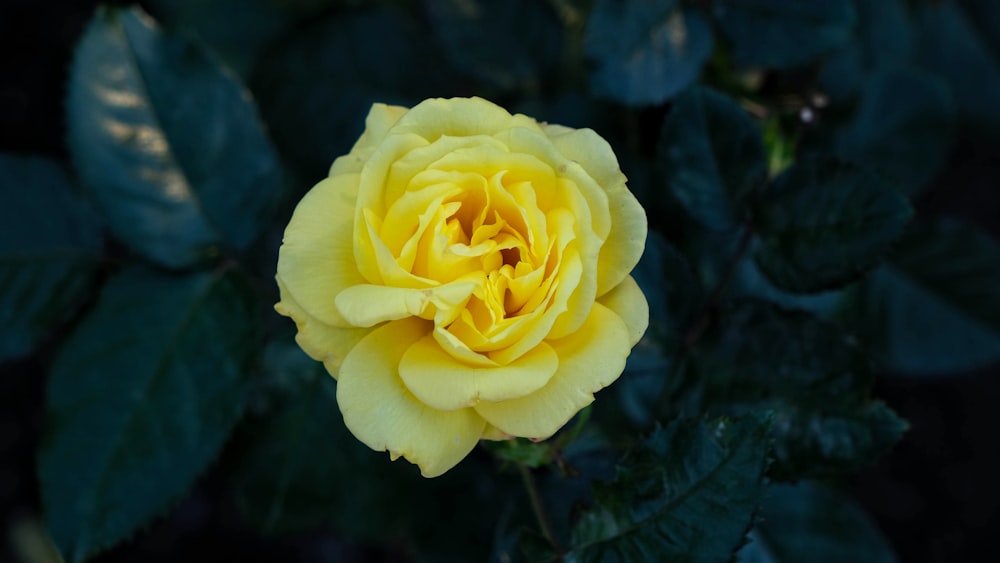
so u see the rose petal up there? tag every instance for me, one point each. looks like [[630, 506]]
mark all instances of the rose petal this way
[[316, 259], [369, 305], [459, 117], [382, 413], [628, 302], [380, 119], [443, 382], [589, 360], [322, 342], [627, 237]]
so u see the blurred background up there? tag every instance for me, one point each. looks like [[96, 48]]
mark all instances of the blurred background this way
[[935, 496]]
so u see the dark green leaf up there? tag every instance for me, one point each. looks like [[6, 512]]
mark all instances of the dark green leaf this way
[[235, 29], [824, 223], [712, 154], [781, 34], [810, 522], [317, 84], [689, 494], [883, 40], [50, 244], [140, 400], [810, 373], [508, 44], [645, 51], [167, 142], [813, 440], [935, 307], [673, 294], [946, 35], [903, 127]]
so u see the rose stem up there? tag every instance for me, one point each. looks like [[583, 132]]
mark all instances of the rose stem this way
[[538, 509]]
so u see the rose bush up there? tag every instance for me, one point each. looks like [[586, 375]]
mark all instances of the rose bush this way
[[464, 273]]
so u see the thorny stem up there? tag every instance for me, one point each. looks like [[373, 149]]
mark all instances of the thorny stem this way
[[539, 510]]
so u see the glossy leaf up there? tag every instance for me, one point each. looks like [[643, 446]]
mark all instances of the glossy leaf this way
[[781, 34], [947, 35], [645, 51], [167, 142], [317, 83], [508, 44], [811, 522], [689, 493], [903, 127], [674, 295], [810, 373], [50, 245], [712, 154], [883, 40], [934, 308], [824, 223], [141, 397]]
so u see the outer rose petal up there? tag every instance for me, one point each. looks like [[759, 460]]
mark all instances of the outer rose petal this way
[[321, 341], [381, 118], [626, 241], [382, 413], [628, 302], [459, 117], [589, 360], [439, 380], [316, 259]]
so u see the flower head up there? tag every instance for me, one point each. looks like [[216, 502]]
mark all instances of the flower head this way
[[464, 273]]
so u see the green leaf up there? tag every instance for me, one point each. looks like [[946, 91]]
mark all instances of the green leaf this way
[[903, 127], [883, 40], [674, 295], [811, 522], [934, 308], [317, 83], [781, 34], [50, 246], [689, 494], [167, 142], [946, 35], [824, 223], [834, 440], [235, 29], [810, 373], [712, 154], [509, 45], [141, 397], [645, 51]]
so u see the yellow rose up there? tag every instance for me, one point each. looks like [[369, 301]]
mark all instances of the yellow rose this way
[[464, 274]]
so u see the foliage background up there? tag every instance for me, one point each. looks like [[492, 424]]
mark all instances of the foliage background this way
[[910, 88]]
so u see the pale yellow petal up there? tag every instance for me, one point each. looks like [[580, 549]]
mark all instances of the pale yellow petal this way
[[369, 305], [589, 150], [629, 303], [589, 360], [382, 413], [380, 119], [625, 243], [627, 237], [443, 382], [459, 117], [493, 433], [322, 342], [316, 259]]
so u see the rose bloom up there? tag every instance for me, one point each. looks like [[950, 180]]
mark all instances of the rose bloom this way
[[464, 274]]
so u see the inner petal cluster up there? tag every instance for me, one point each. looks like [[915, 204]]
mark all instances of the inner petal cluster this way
[[497, 221]]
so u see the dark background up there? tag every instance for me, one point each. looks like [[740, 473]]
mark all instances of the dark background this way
[[935, 496]]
